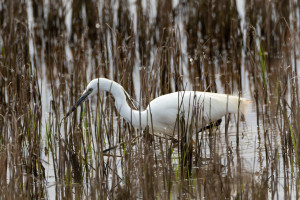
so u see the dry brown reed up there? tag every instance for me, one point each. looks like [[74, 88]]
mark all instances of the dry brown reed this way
[[50, 51]]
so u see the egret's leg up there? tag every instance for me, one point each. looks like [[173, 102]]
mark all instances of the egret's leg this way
[[211, 125]]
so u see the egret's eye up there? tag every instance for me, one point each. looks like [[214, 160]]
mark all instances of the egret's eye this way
[[90, 90]]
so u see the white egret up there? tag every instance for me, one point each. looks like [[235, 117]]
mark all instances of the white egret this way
[[162, 113]]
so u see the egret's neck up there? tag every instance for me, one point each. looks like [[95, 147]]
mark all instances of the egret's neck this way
[[137, 118]]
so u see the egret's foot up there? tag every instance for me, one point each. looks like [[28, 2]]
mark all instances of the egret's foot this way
[[211, 125]]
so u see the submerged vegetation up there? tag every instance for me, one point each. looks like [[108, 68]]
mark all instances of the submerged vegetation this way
[[50, 50]]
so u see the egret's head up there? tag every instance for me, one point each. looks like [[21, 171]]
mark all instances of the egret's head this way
[[90, 90]]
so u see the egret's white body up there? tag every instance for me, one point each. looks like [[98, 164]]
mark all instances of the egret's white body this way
[[163, 112]]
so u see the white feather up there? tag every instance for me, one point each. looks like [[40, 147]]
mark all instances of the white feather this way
[[162, 113]]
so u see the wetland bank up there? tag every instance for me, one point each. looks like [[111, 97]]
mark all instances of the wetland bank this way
[[50, 50]]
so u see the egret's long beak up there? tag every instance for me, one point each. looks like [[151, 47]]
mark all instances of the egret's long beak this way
[[79, 101]]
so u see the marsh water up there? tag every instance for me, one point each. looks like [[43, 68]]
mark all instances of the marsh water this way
[[50, 50]]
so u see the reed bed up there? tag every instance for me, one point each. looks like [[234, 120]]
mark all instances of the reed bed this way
[[51, 50]]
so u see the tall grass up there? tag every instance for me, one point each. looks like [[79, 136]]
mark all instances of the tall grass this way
[[151, 49]]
